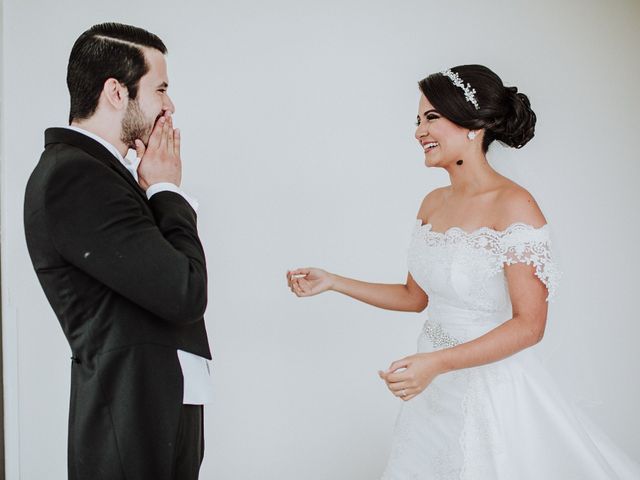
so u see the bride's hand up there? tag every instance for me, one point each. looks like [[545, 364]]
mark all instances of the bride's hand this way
[[418, 371], [305, 282]]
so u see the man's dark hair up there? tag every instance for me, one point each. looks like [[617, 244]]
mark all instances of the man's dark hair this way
[[108, 50]]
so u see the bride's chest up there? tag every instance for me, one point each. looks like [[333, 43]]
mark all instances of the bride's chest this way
[[466, 271], [453, 260]]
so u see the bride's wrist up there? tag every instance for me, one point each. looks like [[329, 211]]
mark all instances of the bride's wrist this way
[[333, 281], [443, 360]]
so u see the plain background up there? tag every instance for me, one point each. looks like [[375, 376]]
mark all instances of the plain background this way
[[298, 122]]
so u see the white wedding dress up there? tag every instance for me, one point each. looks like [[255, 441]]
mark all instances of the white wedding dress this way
[[506, 420]]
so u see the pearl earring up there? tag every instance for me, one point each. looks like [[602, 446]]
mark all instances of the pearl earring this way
[[472, 134]]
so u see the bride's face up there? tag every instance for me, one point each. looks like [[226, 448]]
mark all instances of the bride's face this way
[[443, 141]]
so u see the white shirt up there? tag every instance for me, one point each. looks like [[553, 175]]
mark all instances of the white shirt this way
[[198, 388]]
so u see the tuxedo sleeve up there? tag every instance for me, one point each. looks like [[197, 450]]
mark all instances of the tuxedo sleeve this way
[[99, 224]]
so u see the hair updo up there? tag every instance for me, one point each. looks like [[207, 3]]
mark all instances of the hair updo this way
[[504, 113]]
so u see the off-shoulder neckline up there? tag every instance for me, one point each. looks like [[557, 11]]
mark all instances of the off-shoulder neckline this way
[[454, 228]]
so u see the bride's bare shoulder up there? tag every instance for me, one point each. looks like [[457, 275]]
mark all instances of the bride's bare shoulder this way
[[431, 202], [516, 204]]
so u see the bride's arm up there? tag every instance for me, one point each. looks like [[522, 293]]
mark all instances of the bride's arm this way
[[408, 297], [523, 330]]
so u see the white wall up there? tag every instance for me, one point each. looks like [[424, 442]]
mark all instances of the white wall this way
[[298, 142]]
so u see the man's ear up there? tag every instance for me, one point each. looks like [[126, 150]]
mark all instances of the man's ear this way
[[116, 94]]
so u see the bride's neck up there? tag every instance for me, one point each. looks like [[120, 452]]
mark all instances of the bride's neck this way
[[474, 176]]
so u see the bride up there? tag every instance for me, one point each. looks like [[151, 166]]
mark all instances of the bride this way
[[478, 402]]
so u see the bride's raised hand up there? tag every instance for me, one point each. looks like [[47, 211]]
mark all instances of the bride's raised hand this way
[[305, 282]]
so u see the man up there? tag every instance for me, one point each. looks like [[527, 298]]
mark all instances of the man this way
[[116, 249]]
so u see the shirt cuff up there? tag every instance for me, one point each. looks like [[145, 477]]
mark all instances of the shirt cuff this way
[[170, 187]]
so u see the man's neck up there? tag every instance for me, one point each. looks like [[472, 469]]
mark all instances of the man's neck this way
[[106, 132]]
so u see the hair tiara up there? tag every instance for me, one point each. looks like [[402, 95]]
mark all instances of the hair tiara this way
[[469, 93]]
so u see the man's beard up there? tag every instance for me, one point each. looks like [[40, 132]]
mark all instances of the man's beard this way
[[135, 126]]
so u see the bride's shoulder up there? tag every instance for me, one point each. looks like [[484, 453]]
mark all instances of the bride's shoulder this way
[[431, 201], [515, 204]]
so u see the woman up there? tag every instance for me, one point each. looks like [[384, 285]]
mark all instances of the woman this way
[[480, 259]]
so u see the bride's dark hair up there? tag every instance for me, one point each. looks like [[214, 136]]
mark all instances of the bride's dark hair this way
[[504, 113]]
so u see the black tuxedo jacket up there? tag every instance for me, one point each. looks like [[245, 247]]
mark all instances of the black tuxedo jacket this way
[[126, 277]]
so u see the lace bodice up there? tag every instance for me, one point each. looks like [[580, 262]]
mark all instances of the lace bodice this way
[[466, 269]]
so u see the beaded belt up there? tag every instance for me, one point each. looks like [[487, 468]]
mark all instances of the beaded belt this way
[[438, 336]]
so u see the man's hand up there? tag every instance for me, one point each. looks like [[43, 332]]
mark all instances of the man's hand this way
[[160, 159]]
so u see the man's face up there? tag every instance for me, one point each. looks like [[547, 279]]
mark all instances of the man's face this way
[[151, 101]]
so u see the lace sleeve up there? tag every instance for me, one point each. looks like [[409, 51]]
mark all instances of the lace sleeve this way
[[524, 243]]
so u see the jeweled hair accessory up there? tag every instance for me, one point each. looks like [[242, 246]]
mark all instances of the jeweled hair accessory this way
[[469, 93]]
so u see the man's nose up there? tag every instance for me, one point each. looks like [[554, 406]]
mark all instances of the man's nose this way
[[168, 105]]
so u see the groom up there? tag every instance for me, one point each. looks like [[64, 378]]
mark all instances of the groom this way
[[115, 246]]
